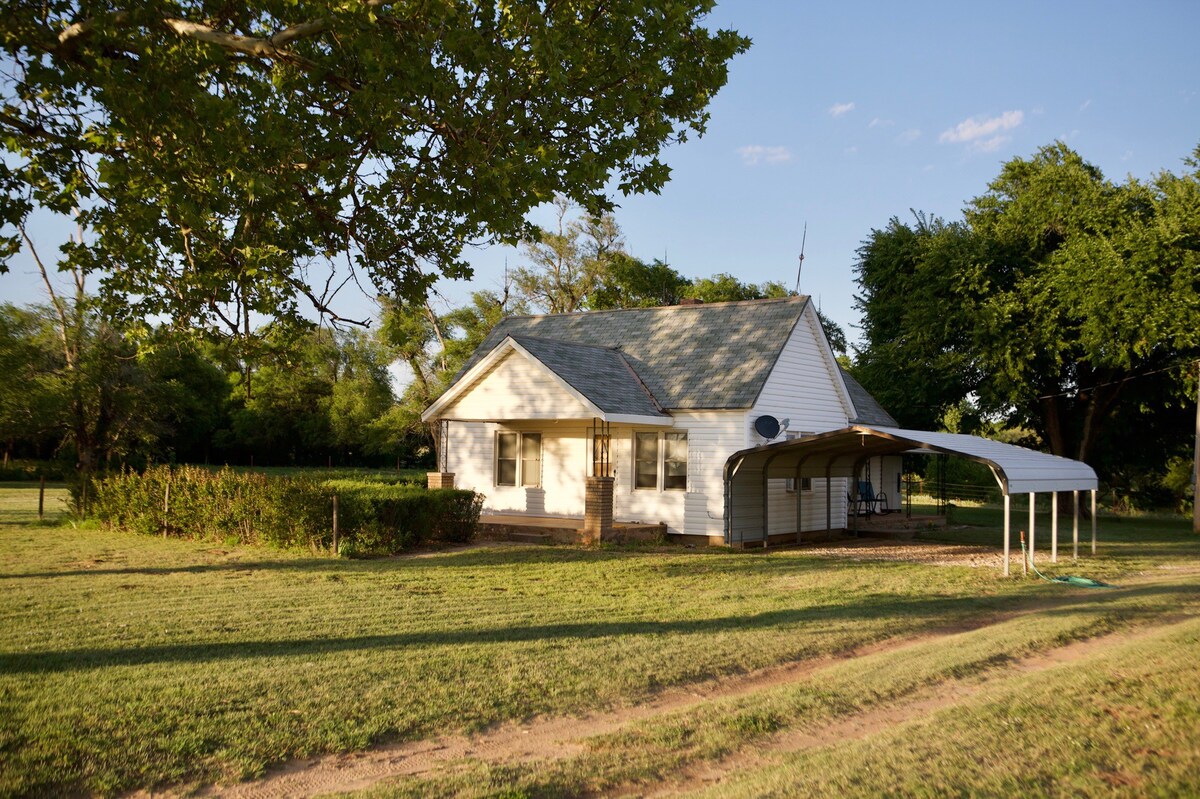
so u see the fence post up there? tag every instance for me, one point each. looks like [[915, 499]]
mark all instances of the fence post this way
[[335, 524], [42, 498]]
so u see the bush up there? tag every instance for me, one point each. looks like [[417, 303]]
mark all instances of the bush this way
[[288, 512], [390, 518]]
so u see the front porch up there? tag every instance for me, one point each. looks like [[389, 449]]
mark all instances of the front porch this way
[[560, 529]]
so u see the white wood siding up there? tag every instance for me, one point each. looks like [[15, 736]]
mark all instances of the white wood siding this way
[[712, 437], [805, 388], [566, 461], [516, 388], [471, 456], [804, 385]]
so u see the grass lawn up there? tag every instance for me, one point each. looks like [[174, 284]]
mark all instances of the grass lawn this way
[[130, 662]]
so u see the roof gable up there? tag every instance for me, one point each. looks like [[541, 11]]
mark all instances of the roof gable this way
[[600, 374], [867, 407], [510, 385], [708, 356]]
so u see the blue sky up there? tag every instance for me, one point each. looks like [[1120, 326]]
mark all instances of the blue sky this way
[[846, 114], [843, 115]]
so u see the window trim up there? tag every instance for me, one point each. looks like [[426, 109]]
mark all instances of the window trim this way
[[660, 460], [519, 472], [658, 452]]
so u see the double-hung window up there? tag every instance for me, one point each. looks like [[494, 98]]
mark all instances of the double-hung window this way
[[519, 459], [645, 460], [675, 457], [660, 461]]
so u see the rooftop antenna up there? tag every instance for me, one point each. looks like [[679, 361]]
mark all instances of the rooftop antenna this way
[[801, 266]]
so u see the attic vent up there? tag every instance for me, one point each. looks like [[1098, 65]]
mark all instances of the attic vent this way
[[691, 301]]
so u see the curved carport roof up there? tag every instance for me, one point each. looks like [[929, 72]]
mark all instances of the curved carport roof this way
[[841, 453], [1018, 470]]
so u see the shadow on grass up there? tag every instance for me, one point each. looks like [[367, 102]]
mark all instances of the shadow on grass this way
[[925, 611], [472, 558]]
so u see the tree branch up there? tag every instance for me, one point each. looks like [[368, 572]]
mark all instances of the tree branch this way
[[324, 309], [54, 299]]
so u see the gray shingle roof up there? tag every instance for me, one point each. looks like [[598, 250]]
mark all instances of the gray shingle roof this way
[[868, 408], [598, 373], [688, 356]]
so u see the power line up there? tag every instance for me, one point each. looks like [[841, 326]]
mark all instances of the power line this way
[[1078, 391]]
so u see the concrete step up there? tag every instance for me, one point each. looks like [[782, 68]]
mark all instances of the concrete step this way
[[531, 538]]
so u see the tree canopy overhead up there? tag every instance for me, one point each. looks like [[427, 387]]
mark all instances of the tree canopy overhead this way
[[222, 156]]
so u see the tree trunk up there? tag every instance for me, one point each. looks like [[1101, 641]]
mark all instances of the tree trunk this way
[[1051, 409]]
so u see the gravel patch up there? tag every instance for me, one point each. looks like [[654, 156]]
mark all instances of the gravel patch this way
[[933, 554]]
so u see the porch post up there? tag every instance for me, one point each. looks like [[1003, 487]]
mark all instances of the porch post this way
[[1007, 529], [1054, 527], [598, 510], [440, 479]]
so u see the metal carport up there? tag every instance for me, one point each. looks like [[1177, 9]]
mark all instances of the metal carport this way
[[841, 453]]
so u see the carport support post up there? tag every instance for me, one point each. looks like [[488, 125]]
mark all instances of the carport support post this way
[[828, 497], [1007, 529], [1054, 527], [1032, 509], [766, 504], [1094, 521], [1075, 525], [799, 500]]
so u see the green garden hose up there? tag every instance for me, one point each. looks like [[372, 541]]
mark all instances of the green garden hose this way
[[1084, 582]]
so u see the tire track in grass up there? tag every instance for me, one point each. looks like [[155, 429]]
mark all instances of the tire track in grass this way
[[540, 739], [914, 708]]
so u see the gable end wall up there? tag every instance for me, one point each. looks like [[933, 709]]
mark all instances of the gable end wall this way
[[804, 386]]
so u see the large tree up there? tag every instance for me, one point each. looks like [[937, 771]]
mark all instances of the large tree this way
[[1055, 297], [225, 158]]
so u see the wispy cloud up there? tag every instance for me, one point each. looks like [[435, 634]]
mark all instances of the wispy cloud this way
[[909, 136], [840, 109], [877, 122], [983, 133], [755, 154], [1085, 105]]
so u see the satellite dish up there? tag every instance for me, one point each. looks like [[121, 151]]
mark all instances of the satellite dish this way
[[766, 426]]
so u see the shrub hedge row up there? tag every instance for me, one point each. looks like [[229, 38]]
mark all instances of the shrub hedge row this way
[[287, 512]]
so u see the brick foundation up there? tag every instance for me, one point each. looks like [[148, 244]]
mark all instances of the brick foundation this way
[[440, 479], [598, 510]]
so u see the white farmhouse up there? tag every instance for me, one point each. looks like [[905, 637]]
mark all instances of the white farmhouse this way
[[633, 416]]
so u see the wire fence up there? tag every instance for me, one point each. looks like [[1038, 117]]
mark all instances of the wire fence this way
[[954, 492]]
